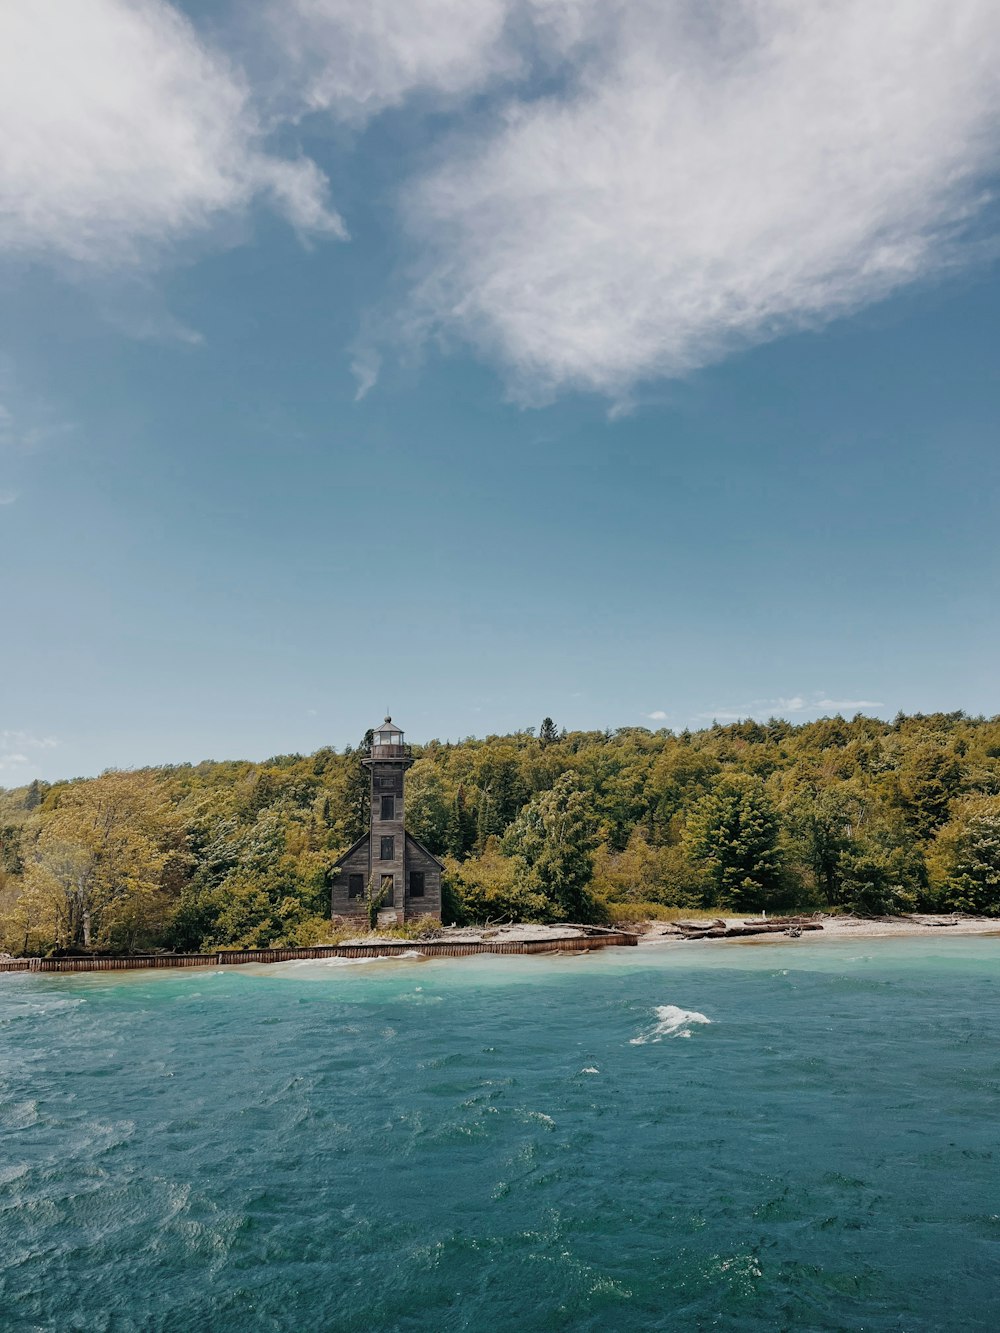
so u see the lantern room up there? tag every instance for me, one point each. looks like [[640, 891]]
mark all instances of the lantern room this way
[[387, 741]]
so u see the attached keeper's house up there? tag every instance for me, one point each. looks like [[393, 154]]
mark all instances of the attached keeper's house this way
[[388, 865]]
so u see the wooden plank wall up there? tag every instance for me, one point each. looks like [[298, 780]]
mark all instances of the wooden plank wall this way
[[229, 957]]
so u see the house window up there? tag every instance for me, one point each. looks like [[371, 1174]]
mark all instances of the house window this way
[[388, 807], [387, 894], [388, 852], [416, 883], [355, 886]]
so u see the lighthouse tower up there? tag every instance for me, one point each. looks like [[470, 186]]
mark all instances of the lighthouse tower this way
[[388, 865], [390, 759]]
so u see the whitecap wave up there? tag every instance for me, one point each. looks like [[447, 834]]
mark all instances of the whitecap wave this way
[[20, 1115], [671, 1021], [407, 954]]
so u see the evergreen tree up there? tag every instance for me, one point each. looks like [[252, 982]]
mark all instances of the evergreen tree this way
[[484, 821], [11, 859], [548, 732], [880, 877], [460, 833], [358, 812], [732, 833]]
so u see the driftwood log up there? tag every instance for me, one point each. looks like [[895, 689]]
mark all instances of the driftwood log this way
[[718, 930]]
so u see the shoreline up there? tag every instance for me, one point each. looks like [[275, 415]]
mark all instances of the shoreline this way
[[847, 927], [446, 944], [524, 939]]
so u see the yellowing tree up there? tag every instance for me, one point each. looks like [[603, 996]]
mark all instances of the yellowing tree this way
[[99, 859]]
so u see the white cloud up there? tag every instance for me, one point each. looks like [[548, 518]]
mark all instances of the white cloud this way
[[361, 58], [18, 753], [365, 366], [624, 190], [120, 132], [26, 740], [657, 715], [707, 177], [358, 59], [817, 704]]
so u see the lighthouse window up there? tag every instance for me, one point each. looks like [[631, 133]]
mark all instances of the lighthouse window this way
[[388, 807], [388, 849]]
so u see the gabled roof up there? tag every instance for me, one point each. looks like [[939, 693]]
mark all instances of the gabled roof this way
[[416, 843], [352, 849], [365, 838]]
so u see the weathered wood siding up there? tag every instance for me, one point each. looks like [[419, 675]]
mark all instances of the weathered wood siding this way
[[387, 779], [430, 903], [357, 863]]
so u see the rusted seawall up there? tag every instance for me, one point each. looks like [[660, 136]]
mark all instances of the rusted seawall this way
[[228, 957]]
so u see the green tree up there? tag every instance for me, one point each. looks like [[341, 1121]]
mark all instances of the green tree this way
[[460, 831], [548, 732], [821, 824], [552, 842], [487, 888], [11, 858], [965, 858], [427, 812], [358, 794], [929, 777], [880, 879], [732, 834], [643, 873], [34, 795]]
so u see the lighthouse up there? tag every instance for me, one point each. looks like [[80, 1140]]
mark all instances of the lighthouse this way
[[387, 864]]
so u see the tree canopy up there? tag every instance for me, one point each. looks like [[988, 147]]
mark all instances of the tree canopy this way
[[858, 814]]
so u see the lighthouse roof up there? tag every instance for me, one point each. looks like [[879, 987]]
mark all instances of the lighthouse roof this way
[[388, 733]]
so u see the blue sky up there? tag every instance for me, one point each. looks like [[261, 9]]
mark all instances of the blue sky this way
[[634, 364]]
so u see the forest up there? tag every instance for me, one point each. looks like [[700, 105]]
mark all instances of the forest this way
[[859, 815]]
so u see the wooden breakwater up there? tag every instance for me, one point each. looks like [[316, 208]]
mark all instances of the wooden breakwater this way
[[387, 949]]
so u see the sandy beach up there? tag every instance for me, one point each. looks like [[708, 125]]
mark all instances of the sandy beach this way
[[656, 932], [837, 927]]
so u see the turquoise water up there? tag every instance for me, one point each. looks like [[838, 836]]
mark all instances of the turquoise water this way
[[509, 1144]]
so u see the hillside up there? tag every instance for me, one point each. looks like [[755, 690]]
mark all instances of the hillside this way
[[863, 814]]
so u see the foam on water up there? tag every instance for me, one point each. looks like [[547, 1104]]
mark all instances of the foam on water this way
[[671, 1021], [308, 964]]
